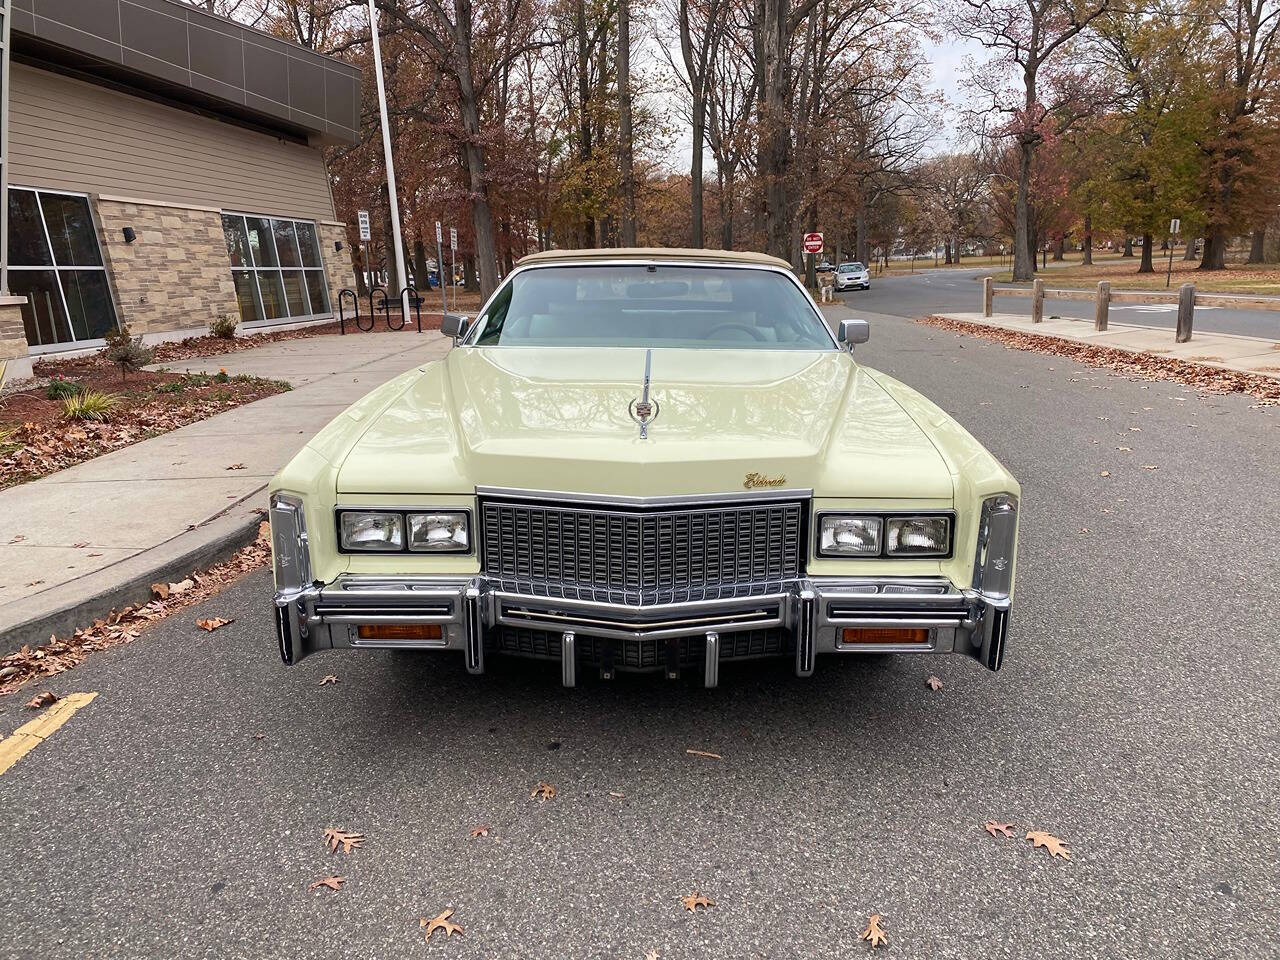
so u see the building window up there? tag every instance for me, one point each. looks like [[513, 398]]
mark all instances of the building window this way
[[55, 262], [276, 267]]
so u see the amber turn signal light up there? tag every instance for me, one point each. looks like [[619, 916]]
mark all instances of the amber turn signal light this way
[[400, 631], [864, 635]]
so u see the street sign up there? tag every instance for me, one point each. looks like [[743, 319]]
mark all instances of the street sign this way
[[363, 217], [438, 233], [1174, 225], [453, 238], [813, 243]]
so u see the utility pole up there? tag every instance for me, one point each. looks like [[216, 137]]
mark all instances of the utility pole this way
[[396, 243]]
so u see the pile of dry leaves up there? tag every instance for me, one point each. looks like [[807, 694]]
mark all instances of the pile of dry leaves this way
[[125, 625], [37, 440], [1149, 366]]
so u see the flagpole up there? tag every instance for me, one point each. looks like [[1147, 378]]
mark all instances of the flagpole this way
[[398, 244]]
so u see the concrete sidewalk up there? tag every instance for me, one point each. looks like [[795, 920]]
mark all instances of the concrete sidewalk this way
[[81, 541], [1225, 351]]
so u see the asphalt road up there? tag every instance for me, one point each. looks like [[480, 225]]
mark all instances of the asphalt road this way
[[180, 814], [938, 291]]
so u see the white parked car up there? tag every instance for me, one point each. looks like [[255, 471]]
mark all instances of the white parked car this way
[[853, 276]]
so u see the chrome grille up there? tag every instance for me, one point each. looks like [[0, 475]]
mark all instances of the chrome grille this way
[[618, 555]]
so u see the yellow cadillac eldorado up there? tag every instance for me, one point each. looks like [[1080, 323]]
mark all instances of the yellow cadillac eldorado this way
[[645, 460]]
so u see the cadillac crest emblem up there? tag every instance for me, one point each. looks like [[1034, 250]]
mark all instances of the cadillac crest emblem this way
[[643, 410]]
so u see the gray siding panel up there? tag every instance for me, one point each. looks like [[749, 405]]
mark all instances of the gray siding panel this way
[[66, 134]]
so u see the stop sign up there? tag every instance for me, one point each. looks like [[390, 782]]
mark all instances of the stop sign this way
[[813, 243]]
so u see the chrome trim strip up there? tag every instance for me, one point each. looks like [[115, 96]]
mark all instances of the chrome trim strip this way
[[568, 660], [692, 499], [475, 629], [711, 673], [657, 609]]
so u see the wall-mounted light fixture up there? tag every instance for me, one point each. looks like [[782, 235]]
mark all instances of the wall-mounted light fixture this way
[[337, 245], [129, 235]]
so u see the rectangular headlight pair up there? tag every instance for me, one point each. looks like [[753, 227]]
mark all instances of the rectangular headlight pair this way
[[395, 531], [872, 535]]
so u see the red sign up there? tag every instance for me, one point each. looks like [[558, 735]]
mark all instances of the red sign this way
[[813, 243]]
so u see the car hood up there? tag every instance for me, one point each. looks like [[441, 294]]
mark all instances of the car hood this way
[[556, 418]]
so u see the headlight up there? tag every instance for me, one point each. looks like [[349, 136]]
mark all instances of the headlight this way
[[439, 532], [370, 530], [918, 537], [844, 536]]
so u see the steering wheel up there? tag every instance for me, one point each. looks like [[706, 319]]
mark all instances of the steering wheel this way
[[731, 325]]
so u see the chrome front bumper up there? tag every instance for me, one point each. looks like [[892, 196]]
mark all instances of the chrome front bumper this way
[[806, 615]]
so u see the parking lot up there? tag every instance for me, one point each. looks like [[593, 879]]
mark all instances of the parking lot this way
[[182, 812]]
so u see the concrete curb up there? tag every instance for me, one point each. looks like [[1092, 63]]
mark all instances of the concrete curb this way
[[33, 619]]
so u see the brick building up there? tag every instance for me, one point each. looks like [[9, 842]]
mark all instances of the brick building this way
[[164, 167]]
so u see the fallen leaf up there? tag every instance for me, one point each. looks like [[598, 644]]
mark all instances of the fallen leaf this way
[[480, 831], [213, 623], [33, 583], [994, 826], [348, 841], [333, 883], [704, 753], [1135, 429], [695, 900], [1105, 473], [874, 934], [329, 679], [441, 922], [1125, 449], [17, 538], [236, 466], [934, 683], [1150, 466], [181, 586], [542, 792], [1039, 838], [651, 955], [615, 793], [41, 700], [81, 545]]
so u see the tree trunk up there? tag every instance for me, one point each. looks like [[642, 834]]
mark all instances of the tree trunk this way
[[1215, 250], [393, 279], [1024, 251], [956, 252], [1059, 249], [946, 247], [469, 107], [626, 158], [774, 149], [726, 212], [695, 172], [1088, 240], [419, 265], [588, 226], [1258, 247], [1190, 252], [469, 273], [1146, 265], [1128, 246]]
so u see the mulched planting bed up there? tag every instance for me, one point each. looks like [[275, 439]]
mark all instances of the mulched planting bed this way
[[1145, 365], [37, 439]]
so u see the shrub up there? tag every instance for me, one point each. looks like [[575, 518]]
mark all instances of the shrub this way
[[60, 387], [221, 376], [126, 352], [225, 326], [90, 405]]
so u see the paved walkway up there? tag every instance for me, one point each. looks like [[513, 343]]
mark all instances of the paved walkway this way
[[1225, 351], [97, 534]]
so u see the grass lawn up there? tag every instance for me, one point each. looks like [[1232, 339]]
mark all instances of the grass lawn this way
[[1258, 279]]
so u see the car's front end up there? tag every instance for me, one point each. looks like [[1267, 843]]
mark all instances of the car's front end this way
[[541, 502], [853, 276]]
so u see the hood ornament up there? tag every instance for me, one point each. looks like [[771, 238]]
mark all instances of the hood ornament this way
[[643, 410]]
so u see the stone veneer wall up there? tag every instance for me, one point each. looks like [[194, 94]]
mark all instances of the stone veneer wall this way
[[13, 336], [176, 274], [337, 263]]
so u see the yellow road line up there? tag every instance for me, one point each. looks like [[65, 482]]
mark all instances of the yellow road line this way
[[28, 736]]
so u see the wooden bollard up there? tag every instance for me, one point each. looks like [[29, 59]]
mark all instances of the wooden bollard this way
[[988, 295], [1186, 311], [1037, 301], [1102, 309]]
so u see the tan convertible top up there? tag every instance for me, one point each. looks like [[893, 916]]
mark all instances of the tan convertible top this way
[[655, 253]]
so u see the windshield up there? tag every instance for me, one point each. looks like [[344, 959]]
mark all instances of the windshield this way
[[851, 268], [652, 305]]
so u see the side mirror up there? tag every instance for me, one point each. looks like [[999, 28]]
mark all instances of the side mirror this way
[[452, 325], [853, 331]]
